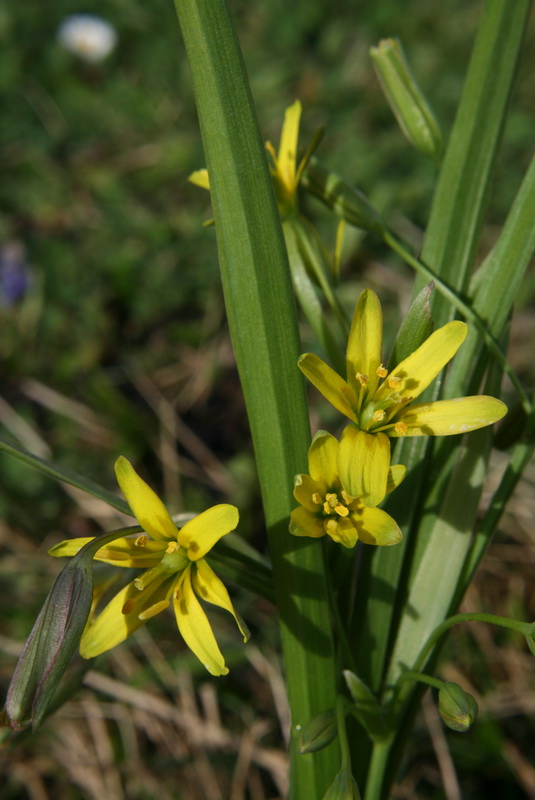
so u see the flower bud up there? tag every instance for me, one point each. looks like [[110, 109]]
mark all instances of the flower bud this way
[[319, 732], [54, 639], [405, 98], [457, 708], [366, 708], [344, 787]]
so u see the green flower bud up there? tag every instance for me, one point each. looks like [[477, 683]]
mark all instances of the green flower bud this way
[[366, 708], [344, 787], [405, 98], [54, 639], [319, 732], [457, 708]]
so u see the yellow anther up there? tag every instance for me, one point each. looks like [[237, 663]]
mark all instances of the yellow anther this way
[[128, 606], [394, 382], [172, 547], [141, 541], [401, 428], [331, 498], [381, 372], [341, 510], [379, 415], [347, 498], [362, 379], [330, 526], [316, 498]]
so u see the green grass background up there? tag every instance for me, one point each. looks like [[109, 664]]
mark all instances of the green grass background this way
[[120, 346]]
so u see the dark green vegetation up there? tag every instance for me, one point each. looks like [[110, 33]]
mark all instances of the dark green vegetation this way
[[120, 346]]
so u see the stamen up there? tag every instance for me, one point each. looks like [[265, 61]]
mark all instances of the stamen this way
[[362, 379], [153, 610], [394, 382], [341, 510], [381, 372], [141, 541], [316, 498], [401, 428], [128, 606], [172, 547], [378, 415], [347, 498], [330, 526], [332, 499]]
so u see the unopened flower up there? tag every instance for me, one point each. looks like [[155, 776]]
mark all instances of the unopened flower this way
[[175, 572], [87, 36], [344, 787], [284, 168], [377, 400], [346, 482], [457, 708], [405, 97]]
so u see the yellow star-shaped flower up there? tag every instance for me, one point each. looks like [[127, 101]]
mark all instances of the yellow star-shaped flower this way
[[346, 482], [380, 401], [175, 572]]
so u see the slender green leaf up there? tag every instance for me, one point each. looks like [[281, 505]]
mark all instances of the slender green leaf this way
[[461, 197], [262, 321]]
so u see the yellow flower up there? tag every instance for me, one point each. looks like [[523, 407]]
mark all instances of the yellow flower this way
[[285, 170], [377, 400], [175, 572], [346, 481]]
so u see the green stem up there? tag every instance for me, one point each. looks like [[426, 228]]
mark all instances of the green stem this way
[[345, 754], [421, 677], [377, 770], [525, 628]]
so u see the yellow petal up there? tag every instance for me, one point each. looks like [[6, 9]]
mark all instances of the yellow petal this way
[[199, 535], [363, 464], [343, 532], [334, 388], [377, 527], [208, 586], [130, 551], [195, 629], [288, 145], [421, 367], [304, 489], [447, 417], [200, 178], [146, 506], [69, 547], [303, 523], [365, 342], [396, 474], [112, 626], [323, 459]]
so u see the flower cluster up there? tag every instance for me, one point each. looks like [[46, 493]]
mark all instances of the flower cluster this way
[[349, 479]]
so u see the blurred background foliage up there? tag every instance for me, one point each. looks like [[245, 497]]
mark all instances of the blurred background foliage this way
[[113, 340]]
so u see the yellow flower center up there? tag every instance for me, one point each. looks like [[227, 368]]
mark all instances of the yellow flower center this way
[[174, 560], [379, 400], [334, 506]]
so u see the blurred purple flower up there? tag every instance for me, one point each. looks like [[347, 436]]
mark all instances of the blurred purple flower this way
[[14, 273]]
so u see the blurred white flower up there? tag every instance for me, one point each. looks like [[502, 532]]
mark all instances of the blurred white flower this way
[[89, 37]]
